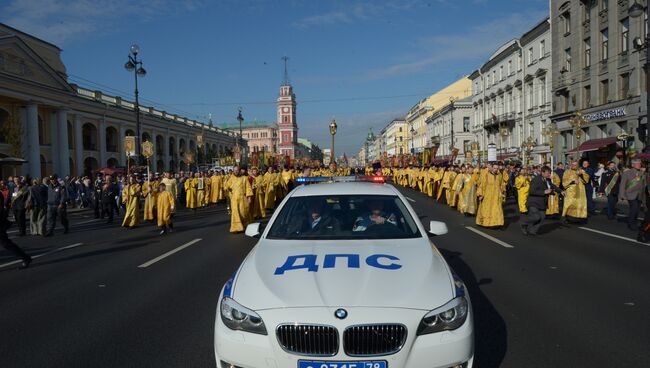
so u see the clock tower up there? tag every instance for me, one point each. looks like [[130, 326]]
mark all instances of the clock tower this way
[[287, 125]]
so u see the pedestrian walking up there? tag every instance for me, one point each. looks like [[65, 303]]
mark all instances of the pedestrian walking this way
[[56, 206], [610, 180], [165, 202], [7, 243], [541, 187], [38, 206], [107, 194], [19, 206], [632, 187], [97, 199]]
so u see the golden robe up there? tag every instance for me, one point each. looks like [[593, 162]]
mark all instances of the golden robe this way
[[149, 192], [269, 197], [208, 191], [553, 204], [490, 210], [522, 183], [191, 193], [215, 189], [171, 186], [445, 184], [240, 190], [259, 201], [462, 181], [131, 196], [456, 187], [164, 208], [201, 189], [575, 200], [467, 198]]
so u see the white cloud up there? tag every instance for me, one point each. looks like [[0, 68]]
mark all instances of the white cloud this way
[[59, 21]]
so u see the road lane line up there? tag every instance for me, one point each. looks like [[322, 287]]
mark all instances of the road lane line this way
[[43, 254], [612, 235], [489, 237], [163, 256], [409, 199]]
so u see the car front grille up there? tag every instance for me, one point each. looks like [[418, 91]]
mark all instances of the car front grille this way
[[374, 340], [313, 340]]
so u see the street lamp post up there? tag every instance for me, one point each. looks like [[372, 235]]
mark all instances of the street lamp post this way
[[412, 145], [333, 127], [240, 118], [451, 107], [135, 66], [550, 132], [636, 11]]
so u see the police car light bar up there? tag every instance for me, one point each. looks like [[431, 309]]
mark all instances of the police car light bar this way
[[340, 179]]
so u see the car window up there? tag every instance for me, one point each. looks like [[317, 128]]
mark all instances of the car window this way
[[344, 217]]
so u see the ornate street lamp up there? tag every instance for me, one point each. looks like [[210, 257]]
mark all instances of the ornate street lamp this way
[[578, 121], [550, 132], [333, 127], [528, 146], [134, 65], [412, 135]]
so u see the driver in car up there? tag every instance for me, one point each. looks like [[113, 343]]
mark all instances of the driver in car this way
[[375, 216], [318, 221]]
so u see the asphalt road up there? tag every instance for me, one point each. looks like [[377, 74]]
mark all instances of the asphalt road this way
[[101, 296]]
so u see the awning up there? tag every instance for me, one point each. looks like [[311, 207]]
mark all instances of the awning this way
[[643, 156], [595, 144]]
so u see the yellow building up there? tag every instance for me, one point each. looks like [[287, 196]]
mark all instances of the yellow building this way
[[418, 137], [59, 127]]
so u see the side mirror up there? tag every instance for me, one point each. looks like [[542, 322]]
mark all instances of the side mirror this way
[[253, 230], [435, 228]]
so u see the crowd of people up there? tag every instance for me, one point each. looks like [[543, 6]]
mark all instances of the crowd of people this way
[[539, 190]]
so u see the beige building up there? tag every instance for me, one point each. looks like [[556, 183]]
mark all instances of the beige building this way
[[419, 138], [260, 137], [396, 137], [59, 127]]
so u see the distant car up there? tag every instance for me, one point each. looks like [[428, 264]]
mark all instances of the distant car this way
[[344, 276]]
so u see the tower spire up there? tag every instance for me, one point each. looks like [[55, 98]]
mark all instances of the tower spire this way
[[286, 71]]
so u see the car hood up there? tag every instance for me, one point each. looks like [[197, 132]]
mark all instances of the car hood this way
[[401, 273]]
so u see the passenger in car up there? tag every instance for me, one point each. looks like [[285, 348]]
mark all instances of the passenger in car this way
[[319, 220]]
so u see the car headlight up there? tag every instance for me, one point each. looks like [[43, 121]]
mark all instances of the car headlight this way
[[448, 317], [237, 317]]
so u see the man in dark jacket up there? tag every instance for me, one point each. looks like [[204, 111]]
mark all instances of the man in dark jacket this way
[[609, 188], [109, 191], [97, 198], [6, 242], [57, 198], [632, 189], [540, 187], [19, 206]]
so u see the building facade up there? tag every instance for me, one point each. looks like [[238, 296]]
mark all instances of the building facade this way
[[396, 137], [511, 97], [418, 114], [59, 127], [260, 137], [450, 126], [598, 70]]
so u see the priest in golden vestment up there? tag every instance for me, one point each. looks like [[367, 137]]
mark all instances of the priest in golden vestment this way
[[215, 188], [553, 202], [522, 184], [451, 191], [456, 187], [208, 190], [259, 191], [269, 197], [575, 198], [131, 197], [149, 192], [445, 184], [463, 180], [200, 190], [467, 199], [241, 197], [165, 203], [191, 193], [490, 195]]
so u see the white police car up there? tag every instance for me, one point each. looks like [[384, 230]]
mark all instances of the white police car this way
[[344, 276]]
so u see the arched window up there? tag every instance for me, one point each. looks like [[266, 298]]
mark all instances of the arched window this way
[[111, 139], [4, 118], [89, 137]]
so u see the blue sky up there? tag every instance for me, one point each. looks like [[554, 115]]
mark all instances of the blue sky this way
[[363, 62]]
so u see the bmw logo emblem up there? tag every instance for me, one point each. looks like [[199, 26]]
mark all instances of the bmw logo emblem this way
[[340, 313]]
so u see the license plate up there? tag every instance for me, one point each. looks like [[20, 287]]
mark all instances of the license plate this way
[[328, 364]]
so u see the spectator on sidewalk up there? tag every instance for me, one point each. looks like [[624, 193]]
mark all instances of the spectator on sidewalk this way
[[38, 206], [632, 189], [610, 181]]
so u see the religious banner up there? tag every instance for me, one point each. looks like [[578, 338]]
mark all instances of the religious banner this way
[[237, 154], [188, 158], [129, 145], [199, 140], [147, 149]]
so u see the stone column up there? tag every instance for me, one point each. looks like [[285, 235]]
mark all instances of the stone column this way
[[102, 143], [120, 144], [78, 145], [55, 147], [33, 145], [166, 151], [64, 145]]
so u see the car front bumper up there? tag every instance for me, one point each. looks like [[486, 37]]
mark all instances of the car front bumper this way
[[438, 350]]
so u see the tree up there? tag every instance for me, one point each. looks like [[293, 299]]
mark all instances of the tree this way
[[13, 134]]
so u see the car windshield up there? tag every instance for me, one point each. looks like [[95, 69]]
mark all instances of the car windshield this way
[[344, 217]]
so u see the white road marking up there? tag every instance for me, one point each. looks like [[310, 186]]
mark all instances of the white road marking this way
[[410, 199], [56, 228], [612, 235], [161, 257], [43, 254], [489, 237]]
